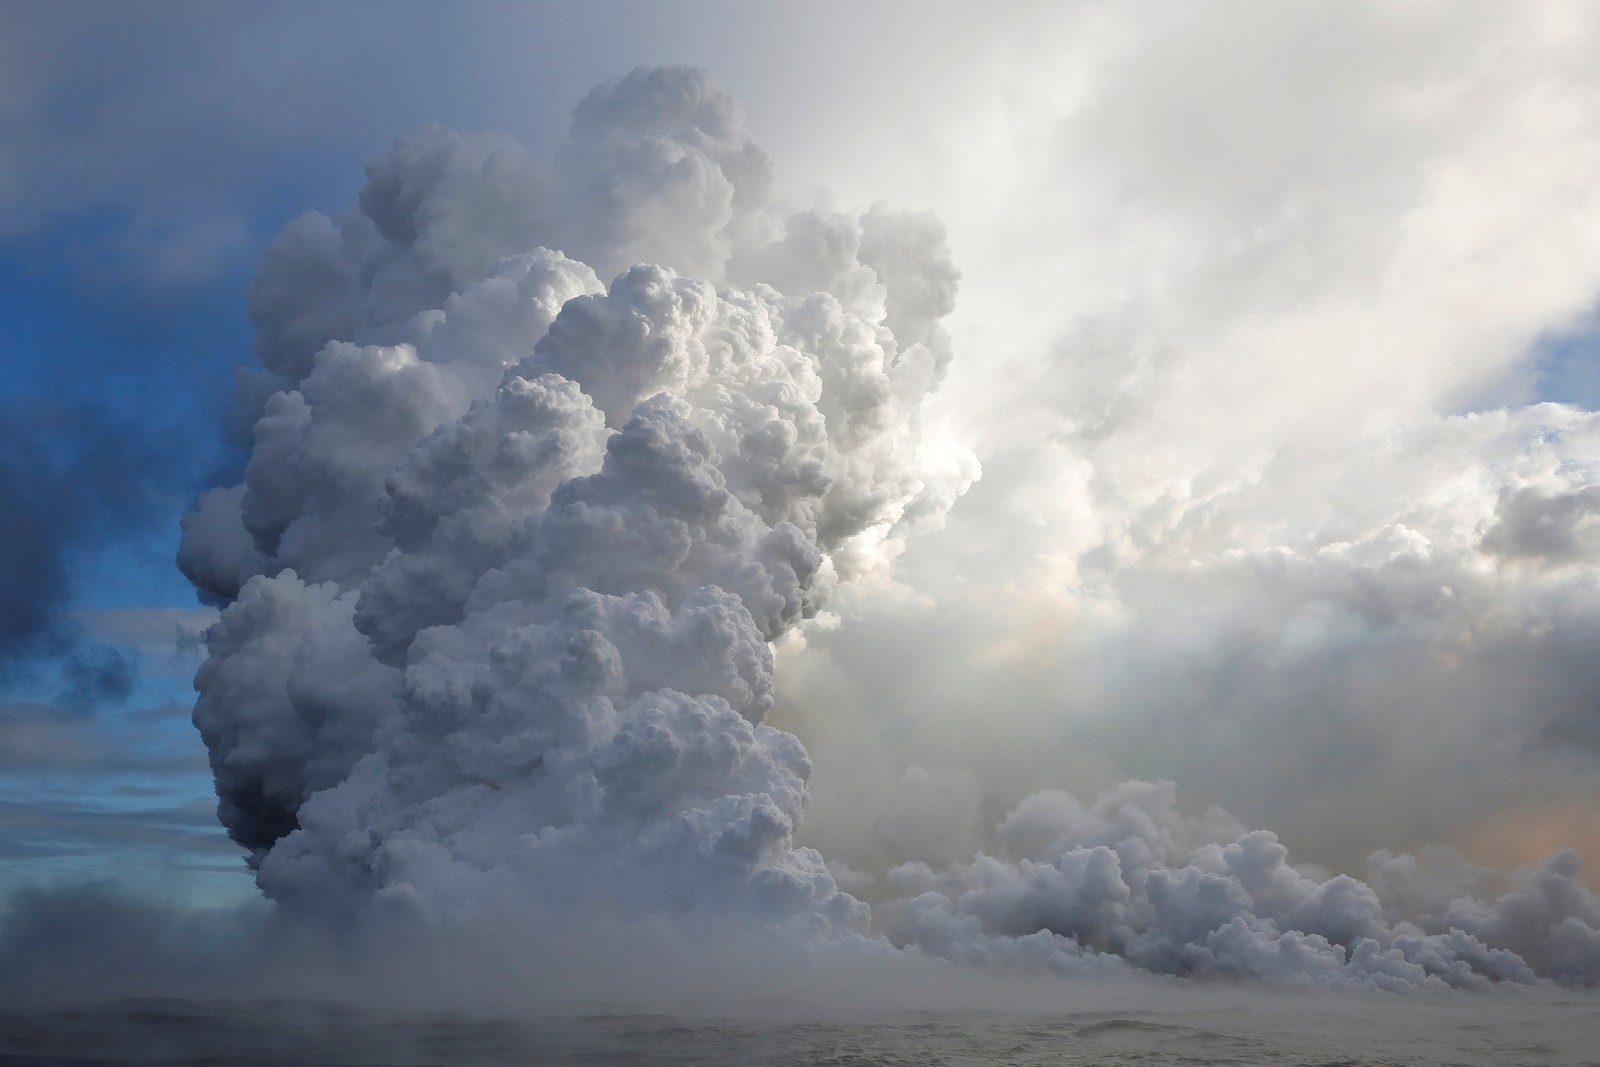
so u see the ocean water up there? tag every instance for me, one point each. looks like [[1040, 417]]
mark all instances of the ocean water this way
[[1241, 1029]]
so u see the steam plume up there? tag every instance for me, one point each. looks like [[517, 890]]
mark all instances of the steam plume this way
[[512, 545], [544, 458]]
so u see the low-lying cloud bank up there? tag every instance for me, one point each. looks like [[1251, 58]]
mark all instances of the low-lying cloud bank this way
[[1129, 881], [1125, 895]]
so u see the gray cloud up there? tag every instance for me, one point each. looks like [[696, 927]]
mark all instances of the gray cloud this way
[[505, 573], [511, 545], [73, 477], [62, 478], [1554, 528]]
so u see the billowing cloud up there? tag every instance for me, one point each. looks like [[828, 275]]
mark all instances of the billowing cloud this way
[[511, 547], [548, 457]]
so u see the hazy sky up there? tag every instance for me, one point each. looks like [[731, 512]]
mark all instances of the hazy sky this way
[[1274, 341]]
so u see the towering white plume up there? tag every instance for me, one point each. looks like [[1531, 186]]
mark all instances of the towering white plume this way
[[512, 544]]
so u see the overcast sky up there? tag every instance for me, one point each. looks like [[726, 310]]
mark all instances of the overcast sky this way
[[1274, 340]]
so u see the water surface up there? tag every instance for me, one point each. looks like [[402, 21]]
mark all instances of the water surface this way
[[1265, 1029]]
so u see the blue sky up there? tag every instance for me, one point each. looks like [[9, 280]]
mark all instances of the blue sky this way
[[118, 391]]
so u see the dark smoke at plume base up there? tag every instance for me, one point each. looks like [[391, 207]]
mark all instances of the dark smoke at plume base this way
[[511, 548]]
